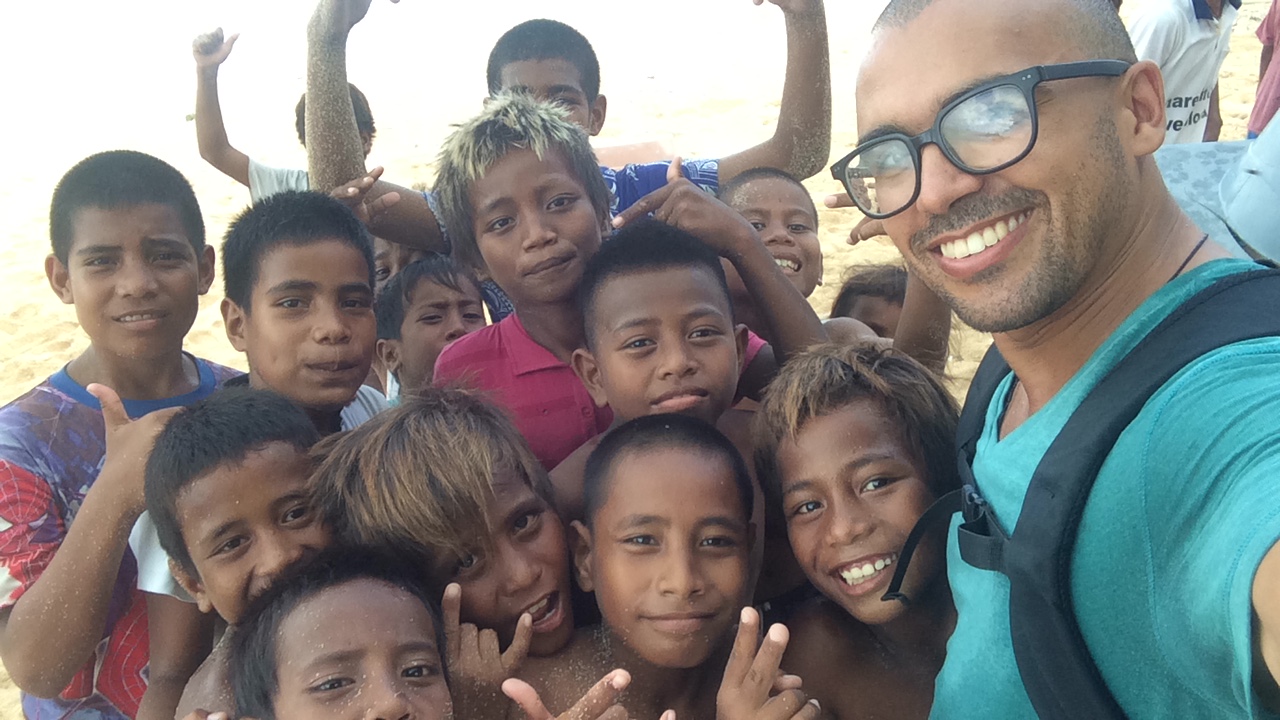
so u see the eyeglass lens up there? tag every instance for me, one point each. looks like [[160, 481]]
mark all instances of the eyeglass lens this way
[[985, 131]]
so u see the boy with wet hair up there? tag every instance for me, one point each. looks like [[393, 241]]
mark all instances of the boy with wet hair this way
[[210, 51], [77, 632], [226, 486], [298, 275], [556, 64], [423, 308], [664, 545]]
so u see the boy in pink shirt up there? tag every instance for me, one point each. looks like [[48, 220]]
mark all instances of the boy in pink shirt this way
[[1264, 108]]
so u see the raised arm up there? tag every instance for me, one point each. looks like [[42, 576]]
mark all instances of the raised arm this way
[[335, 152], [802, 140], [210, 51]]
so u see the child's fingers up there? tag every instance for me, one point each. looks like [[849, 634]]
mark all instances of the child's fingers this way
[[765, 666], [784, 706], [382, 203], [865, 229], [523, 694], [784, 682], [668, 715], [644, 205], [602, 696], [373, 175], [488, 647], [811, 711], [744, 648], [113, 412], [675, 170], [451, 608], [519, 649], [838, 200]]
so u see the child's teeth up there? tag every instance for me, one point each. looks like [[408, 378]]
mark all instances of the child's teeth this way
[[859, 574]]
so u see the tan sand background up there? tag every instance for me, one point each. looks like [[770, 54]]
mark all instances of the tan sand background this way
[[84, 76]]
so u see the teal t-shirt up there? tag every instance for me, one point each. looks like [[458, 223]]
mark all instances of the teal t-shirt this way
[[1184, 509]]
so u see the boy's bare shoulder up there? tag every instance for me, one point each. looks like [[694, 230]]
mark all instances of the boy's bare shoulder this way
[[829, 651], [209, 688], [567, 480], [562, 679]]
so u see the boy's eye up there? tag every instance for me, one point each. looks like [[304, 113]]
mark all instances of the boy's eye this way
[[757, 225], [465, 563], [290, 304], [297, 513], [499, 224], [637, 344], [381, 273], [642, 540], [719, 541], [473, 317], [876, 484], [98, 261], [805, 508], [561, 201], [430, 319], [705, 332], [357, 303], [798, 228], [229, 546], [421, 670], [527, 520], [331, 685]]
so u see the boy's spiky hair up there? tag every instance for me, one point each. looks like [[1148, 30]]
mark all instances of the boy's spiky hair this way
[[827, 378], [418, 478], [510, 121]]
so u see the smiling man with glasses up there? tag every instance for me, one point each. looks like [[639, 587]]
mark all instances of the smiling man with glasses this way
[[1006, 146]]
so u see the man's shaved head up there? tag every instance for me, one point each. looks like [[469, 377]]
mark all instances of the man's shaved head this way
[[1093, 26]]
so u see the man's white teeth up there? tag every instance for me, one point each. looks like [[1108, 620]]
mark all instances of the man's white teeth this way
[[785, 264], [979, 241], [859, 574]]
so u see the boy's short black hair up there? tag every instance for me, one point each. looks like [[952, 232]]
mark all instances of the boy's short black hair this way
[[254, 661], [644, 246], [545, 40], [741, 180], [397, 294], [888, 282], [659, 431], [287, 218], [119, 179], [359, 103], [221, 429]]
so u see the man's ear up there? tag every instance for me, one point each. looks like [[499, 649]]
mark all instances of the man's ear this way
[[588, 371], [1143, 114], [234, 318], [59, 279], [189, 582], [389, 353], [599, 108], [580, 541], [206, 264], [740, 337]]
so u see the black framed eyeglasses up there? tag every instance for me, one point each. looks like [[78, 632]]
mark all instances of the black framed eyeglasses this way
[[983, 131]]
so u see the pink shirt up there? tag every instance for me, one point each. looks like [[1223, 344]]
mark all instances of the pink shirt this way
[[1268, 101], [548, 402]]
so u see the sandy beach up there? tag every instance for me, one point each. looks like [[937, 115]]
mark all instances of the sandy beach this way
[[87, 76]]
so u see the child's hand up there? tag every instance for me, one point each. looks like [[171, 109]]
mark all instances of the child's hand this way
[[211, 50], [476, 665], [866, 228], [129, 444], [797, 7], [684, 205], [751, 677], [355, 195], [600, 702], [339, 16]]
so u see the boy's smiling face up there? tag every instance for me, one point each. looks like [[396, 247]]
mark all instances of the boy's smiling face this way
[[358, 650], [535, 226], [436, 316], [663, 341], [783, 215], [243, 524], [309, 333], [134, 279], [526, 570], [558, 82], [667, 554], [851, 493]]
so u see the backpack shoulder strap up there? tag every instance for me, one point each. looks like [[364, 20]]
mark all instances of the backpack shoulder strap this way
[[1056, 666]]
